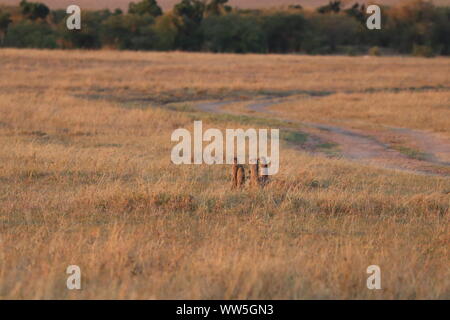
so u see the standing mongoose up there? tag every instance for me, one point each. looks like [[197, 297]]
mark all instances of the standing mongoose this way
[[238, 174], [254, 174], [264, 177], [234, 171]]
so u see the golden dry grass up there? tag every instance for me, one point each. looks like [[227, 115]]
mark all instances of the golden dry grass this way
[[86, 179], [427, 110]]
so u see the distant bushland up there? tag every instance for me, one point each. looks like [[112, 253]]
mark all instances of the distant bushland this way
[[416, 27]]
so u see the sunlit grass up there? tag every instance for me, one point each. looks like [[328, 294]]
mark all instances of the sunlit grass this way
[[90, 182]]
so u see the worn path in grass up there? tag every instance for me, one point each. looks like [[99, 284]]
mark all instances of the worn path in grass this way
[[356, 145]]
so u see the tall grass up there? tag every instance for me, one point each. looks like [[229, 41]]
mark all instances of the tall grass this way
[[90, 182]]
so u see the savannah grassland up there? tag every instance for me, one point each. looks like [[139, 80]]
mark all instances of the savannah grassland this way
[[86, 179]]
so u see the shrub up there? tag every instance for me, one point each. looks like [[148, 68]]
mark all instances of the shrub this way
[[233, 33], [28, 34], [165, 33], [374, 51], [284, 32], [89, 36], [422, 51], [129, 31], [144, 7], [34, 10], [5, 21]]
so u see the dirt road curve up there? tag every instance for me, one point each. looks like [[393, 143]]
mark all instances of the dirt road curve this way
[[356, 145]]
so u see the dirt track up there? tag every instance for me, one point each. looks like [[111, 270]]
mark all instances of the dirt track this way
[[356, 145]]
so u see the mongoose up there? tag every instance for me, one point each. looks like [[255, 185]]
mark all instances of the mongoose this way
[[254, 174], [264, 177], [234, 170], [238, 174]]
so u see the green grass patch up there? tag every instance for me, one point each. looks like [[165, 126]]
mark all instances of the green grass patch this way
[[411, 153], [294, 137], [180, 107], [245, 120], [327, 146]]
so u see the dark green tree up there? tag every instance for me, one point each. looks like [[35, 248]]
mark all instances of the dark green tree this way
[[131, 32], [233, 33], [333, 6], [30, 34], [118, 12], [57, 16], [358, 12], [412, 24], [150, 7], [188, 16], [327, 34], [441, 39], [89, 35], [190, 10], [216, 7], [166, 32], [5, 20], [34, 10], [284, 32]]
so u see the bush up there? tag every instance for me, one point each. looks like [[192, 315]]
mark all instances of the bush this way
[[133, 32], [351, 51], [423, 51], [415, 27], [28, 34], [89, 36], [165, 33], [34, 10], [374, 51], [144, 7], [188, 16], [284, 32], [58, 16], [326, 33], [5, 21], [233, 33]]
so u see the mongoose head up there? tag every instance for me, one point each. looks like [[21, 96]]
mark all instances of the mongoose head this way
[[264, 163]]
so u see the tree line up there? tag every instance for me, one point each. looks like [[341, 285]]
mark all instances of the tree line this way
[[416, 27]]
